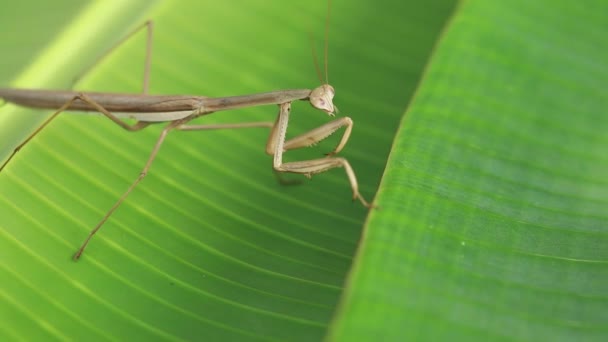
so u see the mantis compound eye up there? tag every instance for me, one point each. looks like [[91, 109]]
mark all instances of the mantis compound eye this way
[[322, 98]]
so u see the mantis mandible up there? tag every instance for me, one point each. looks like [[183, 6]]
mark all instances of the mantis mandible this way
[[178, 110]]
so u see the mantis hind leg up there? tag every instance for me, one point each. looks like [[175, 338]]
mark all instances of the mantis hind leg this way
[[82, 97], [149, 26], [142, 174]]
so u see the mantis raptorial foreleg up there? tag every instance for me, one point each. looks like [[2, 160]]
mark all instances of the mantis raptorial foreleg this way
[[310, 167], [277, 145], [313, 136]]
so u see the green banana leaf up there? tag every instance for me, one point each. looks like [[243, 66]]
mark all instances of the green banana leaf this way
[[494, 221], [491, 219]]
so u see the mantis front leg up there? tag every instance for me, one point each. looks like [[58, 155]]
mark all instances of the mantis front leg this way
[[277, 146]]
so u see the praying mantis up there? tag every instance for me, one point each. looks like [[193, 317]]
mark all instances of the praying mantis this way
[[177, 111]]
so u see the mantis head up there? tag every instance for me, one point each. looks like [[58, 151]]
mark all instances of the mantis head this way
[[322, 98]]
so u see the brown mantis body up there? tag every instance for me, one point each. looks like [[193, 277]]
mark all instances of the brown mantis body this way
[[178, 110]]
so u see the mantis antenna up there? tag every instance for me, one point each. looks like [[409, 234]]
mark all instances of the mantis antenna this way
[[315, 60], [327, 39], [326, 48]]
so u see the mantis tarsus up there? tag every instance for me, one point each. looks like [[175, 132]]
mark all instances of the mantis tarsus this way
[[178, 110]]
